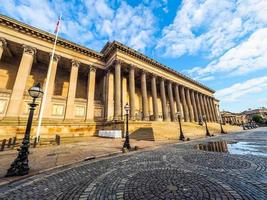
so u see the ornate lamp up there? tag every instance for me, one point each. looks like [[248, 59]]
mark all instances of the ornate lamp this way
[[20, 165], [181, 137], [205, 121], [127, 139]]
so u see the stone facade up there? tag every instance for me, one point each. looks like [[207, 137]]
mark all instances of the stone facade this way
[[89, 88]]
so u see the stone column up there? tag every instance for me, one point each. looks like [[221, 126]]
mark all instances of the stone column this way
[[117, 92], [90, 114], [185, 108], [144, 96], [178, 100], [189, 105], [213, 109], [132, 92], [203, 111], [154, 98], [72, 89], [3, 45], [163, 101], [16, 99], [206, 108], [209, 109], [50, 89], [170, 94], [109, 101], [193, 100], [198, 104]]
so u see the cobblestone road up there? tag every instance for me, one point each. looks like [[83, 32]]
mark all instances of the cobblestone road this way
[[178, 171]]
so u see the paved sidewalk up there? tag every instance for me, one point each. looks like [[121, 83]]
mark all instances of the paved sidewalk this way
[[175, 171], [48, 157]]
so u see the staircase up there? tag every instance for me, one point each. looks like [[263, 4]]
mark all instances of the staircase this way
[[170, 130]]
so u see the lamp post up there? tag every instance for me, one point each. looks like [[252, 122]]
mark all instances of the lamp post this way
[[181, 137], [200, 121], [20, 165], [243, 125], [222, 131], [127, 139], [205, 121]]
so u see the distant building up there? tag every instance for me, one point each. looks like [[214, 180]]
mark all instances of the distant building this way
[[233, 118], [260, 111]]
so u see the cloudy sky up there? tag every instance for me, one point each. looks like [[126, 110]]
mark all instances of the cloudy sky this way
[[221, 43]]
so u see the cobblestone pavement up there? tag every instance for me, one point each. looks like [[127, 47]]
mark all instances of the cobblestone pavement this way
[[176, 171]]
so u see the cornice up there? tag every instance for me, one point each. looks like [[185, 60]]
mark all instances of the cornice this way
[[109, 48], [45, 36]]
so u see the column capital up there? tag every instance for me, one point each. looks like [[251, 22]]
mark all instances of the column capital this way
[[29, 50], [170, 82], [56, 57], [3, 42], [144, 71], [153, 75], [191, 90], [92, 68], [118, 62], [132, 66], [161, 78], [75, 63]]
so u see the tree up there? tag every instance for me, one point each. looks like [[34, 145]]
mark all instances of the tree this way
[[257, 118]]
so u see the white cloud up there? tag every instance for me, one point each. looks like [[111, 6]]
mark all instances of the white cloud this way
[[88, 21], [237, 91], [250, 55], [37, 13], [211, 26]]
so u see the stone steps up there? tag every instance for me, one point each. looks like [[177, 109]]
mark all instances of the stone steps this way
[[171, 131]]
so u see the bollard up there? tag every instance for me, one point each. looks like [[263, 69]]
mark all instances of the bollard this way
[[35, 142], [9, 142], [14, 142], [58, 139], [3, 145]]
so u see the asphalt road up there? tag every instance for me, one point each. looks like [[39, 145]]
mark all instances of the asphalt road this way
[[177, 171]]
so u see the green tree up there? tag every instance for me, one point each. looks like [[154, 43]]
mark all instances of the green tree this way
[[257, 118]]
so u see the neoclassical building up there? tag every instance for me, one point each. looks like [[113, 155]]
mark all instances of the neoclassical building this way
[[88, 89]]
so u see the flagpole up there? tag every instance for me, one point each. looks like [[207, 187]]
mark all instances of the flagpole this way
[[46, 84]]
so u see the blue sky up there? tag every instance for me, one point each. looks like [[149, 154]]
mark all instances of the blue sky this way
[[221, 43]]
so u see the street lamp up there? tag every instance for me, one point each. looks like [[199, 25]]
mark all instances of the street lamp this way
[[20, 165], [200, 121], [222, 131], [181, 137], [243, 125], [127, 140], [205, 121]]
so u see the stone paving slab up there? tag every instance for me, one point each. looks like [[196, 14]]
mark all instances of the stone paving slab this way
[[45, 158], [174, 171]]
